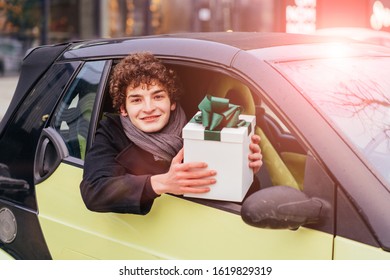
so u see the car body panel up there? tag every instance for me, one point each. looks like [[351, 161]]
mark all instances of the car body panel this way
[[217, 234], [5, 256], [347, 249]]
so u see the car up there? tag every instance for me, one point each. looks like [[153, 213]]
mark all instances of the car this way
[[322, 109]]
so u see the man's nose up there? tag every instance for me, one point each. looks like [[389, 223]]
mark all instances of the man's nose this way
[[149, 105]]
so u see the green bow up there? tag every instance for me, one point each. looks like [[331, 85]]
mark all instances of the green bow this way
[[218, 113]]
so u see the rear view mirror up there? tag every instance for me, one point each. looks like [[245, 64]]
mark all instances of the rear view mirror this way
[[280, 207]]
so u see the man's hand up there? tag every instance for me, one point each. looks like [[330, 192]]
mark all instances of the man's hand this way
[[190, 177], [255, 158]]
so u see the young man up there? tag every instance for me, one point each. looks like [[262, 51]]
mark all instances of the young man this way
[[137, 155]]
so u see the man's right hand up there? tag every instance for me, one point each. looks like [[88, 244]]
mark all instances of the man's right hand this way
[[189, 177]]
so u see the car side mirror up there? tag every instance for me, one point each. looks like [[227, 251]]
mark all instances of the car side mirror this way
[[280, 207]]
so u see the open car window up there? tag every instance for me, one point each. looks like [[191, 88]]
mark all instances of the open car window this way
[[283, 157]]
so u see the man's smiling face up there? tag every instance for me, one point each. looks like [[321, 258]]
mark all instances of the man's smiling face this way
[[148, 107]]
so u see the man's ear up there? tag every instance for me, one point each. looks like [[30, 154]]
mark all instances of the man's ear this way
[[123, 111], [173, 106]]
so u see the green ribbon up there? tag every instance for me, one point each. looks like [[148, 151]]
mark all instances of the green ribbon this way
[[217, 113]]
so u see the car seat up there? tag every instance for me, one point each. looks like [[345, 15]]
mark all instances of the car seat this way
[[86, 106], [72, 122], [238, 93]]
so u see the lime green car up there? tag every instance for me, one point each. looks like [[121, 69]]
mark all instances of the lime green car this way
[[322, 110]]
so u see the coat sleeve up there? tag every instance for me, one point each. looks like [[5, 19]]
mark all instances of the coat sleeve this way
[[106, 184]]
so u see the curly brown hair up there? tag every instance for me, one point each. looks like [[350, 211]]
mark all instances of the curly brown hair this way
[[142, 68]]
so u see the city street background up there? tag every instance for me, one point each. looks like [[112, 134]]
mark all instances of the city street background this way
[[7, 89]]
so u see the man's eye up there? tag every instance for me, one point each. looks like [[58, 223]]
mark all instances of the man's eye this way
[[135, 100], [159, 96]]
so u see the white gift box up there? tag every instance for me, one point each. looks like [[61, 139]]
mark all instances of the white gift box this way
[[228, 156]]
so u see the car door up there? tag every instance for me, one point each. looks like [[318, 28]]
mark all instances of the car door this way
[[176, 227]]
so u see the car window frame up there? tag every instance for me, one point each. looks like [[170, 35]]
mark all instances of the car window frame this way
[[97, 114], [78, 162]]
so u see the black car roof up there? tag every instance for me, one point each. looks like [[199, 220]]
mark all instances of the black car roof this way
[[239, 40], [255, 40]]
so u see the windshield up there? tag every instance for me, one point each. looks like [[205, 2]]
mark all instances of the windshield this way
[[354, 93]]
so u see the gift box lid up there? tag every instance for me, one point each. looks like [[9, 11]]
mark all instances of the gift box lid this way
[[196, 131]]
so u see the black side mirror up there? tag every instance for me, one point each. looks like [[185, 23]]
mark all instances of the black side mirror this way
[[281, 207]]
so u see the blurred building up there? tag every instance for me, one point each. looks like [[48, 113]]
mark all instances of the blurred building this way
[[53, 21]]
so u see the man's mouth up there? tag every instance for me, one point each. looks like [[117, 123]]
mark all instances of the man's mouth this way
[[150, 118]]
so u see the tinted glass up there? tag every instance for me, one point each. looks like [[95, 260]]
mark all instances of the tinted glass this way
[[354, 93], [74, 113]]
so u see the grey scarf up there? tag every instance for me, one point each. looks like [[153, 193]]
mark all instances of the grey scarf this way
[[166, 143]]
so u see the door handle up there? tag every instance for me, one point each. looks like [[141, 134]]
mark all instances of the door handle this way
[[51, 150]]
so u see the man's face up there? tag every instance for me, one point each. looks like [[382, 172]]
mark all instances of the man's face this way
[[148, 108]]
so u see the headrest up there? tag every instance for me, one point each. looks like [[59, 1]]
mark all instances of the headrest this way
[[232, 89]]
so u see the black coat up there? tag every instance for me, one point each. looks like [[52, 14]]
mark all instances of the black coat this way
[[117, 172]]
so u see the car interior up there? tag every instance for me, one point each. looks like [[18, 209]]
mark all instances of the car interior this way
[[283, 157]]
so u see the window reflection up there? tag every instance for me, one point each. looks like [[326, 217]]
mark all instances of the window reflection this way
[[354, 93], [74, 113]]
